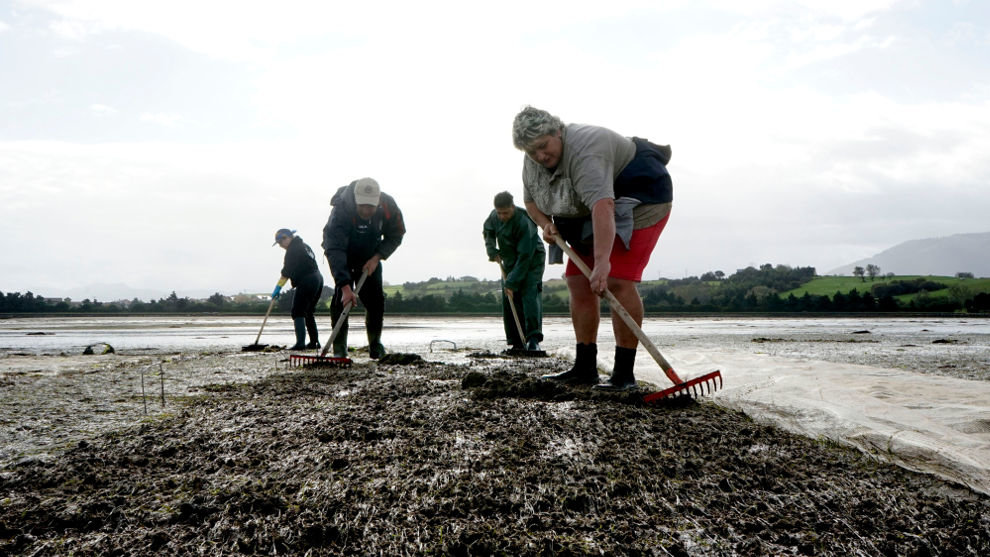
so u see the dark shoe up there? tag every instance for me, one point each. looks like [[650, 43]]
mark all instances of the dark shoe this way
[[299, 347], [533, 346], [585, 370], [615, 384], [517, 347], [376, 351], [314, 344], [623, 378], [574, 376]]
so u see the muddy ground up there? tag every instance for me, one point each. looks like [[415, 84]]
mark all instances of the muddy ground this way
[[474, 459]]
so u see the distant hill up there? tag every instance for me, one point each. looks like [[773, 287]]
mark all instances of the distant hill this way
[[931, 256]]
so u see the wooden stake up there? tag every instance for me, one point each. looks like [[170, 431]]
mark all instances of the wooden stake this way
[[143, 397]]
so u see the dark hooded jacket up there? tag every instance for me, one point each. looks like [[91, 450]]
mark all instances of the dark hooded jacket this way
[[299, 261], [349, 241]]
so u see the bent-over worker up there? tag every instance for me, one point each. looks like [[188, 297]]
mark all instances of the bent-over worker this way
[[365, 227], [511, 240], [609, 197], [301, 268]]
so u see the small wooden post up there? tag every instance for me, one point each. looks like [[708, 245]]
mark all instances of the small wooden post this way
[[143, 397]]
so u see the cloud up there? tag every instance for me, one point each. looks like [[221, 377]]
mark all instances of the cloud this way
[[75, 30], [102, 109], [166, 120], [843, 10], [796, 139]]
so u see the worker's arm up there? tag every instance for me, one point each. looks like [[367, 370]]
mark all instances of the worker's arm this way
[[542, 221], [603, 223]]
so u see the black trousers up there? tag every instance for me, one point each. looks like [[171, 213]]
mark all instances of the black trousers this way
[[308, 291], [372, 296]]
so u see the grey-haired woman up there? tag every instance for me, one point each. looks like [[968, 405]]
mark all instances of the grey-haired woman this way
[[609, 196]]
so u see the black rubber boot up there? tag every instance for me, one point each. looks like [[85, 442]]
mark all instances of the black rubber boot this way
[[314, 335], [299, 323], [375, 348], [340, 343], [622, 378], [585, 370]]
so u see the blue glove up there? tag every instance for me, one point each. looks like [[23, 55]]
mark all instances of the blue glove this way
[[278, 288]]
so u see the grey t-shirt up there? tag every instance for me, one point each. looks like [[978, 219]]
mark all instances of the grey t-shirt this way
[[593, 156]]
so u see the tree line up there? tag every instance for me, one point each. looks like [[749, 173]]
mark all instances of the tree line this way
[[748, 290]]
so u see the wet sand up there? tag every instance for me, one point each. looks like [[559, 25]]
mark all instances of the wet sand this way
[[414, 458]]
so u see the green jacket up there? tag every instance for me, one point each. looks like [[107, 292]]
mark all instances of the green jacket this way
[[517, 242]]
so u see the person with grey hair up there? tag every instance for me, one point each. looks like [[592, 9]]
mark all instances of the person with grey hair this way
[[609, 197], [511, 240]]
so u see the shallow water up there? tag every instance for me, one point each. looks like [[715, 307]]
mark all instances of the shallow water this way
[[53, 335]]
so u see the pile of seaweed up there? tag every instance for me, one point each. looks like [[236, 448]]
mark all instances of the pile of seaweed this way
[[470, 460]]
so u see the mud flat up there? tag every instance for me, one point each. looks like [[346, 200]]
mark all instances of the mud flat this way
[[437, 458]]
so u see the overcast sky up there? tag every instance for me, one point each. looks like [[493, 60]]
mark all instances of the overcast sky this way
[[161, 144]]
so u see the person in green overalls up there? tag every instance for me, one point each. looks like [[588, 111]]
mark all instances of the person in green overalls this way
[[511, 240]]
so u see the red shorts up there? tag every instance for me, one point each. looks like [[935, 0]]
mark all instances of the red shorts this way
[[627, 264]]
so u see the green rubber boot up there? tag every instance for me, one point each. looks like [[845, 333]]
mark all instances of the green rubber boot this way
[[299, 323]]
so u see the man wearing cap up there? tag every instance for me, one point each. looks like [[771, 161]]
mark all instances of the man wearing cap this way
[[511, 240], [365, 227], [609, 197], [300, 267]]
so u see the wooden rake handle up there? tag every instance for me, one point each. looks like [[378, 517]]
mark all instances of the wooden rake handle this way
[[512, 306], [623, 314], [267, 313], [343, 317]]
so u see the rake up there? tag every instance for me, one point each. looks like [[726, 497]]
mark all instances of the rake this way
[[258, 347], [692, 387], [519, 329], [297, 360]]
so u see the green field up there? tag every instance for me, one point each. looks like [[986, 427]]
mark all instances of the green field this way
[[442, 287], [821, 286], [828, 286], [555, 295]]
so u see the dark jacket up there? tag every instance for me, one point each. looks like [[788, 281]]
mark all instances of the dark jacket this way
[[518, 245], [349, 241], [299, 262]]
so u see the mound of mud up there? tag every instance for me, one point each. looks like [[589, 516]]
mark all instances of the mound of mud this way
[[431, 458], [402, 359]]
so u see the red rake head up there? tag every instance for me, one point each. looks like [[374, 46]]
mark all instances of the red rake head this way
[[296, 360], [692, 387]]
